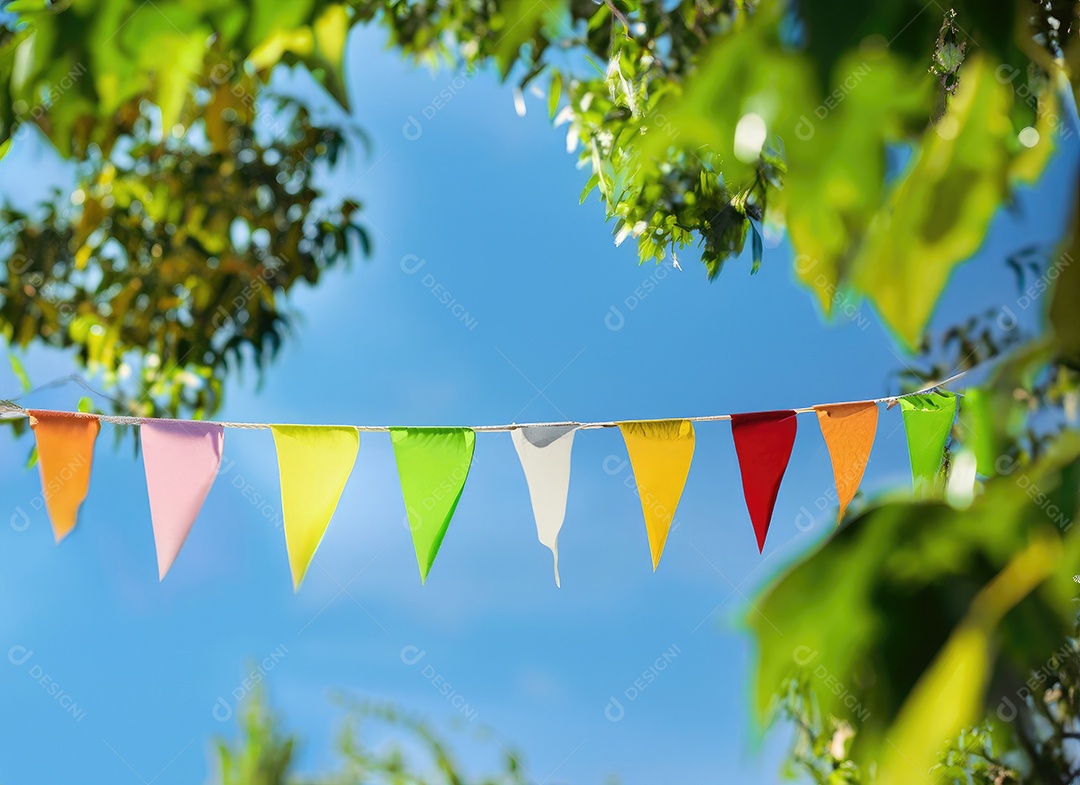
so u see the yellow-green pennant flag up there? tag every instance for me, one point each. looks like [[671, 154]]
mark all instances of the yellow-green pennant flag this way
[[433, 464], [314, 462], [928, 420], [660, 454]]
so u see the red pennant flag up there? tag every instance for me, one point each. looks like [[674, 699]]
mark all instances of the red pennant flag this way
[[763, 442]]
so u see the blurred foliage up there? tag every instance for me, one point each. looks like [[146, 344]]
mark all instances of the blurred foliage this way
[[902, 567], [150, 284], [711, 121], [1024, 738], [378, 744], [80, 70], [707, 122], [947, 605]]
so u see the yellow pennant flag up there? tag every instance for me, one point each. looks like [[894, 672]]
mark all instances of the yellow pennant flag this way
[[314, 462], [65, 447], [849, 430], [660, 454]]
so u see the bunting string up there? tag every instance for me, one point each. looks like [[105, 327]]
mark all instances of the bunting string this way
[[181, 459], [9, 408]]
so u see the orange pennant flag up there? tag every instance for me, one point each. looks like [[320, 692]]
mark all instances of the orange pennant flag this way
[[65, 447], [849, 430]]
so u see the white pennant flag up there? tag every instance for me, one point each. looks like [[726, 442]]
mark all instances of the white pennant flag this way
[[544, 451]]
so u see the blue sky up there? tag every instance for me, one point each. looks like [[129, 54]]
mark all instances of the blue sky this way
[[488, 201]]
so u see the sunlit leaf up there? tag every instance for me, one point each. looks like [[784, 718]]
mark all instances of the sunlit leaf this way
[[20, 371], [835, 183], [554, 94], [938, 215], [905, 576], [949, 696]]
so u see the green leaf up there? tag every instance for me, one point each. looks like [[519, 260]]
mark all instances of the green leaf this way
[[520, 21], [592, 183], [1064, 313], [331, 34], [873, 607], [757, 247], [939, 214], [26, 6], [950, 57], [170, 44], [949, 696], [602, 14], [554, 94], [19, 371], [836, 152], [979, 414], [270, 16]]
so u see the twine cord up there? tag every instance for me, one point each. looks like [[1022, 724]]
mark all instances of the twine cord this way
[[10, 409]]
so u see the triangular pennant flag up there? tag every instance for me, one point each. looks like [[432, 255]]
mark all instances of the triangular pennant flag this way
[[544, 452], [849, 430], [314, 462], [763, 442], [660, 454], [181, 460], [65, 448], [928, 419], [433, 464]]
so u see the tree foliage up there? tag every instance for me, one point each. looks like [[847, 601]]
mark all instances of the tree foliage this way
[[1027, 737], [159, 291], [379, 744], [944, 613], [950, 603], [197, 206], [709, 122], [706, 122]]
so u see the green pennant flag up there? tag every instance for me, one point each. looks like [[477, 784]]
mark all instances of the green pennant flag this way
[[928, 419], [433, 464]]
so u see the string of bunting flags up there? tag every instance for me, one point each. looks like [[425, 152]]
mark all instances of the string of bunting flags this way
[[182, 458]]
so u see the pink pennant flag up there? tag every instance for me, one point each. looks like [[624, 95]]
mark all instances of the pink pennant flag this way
[[181, 459]]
